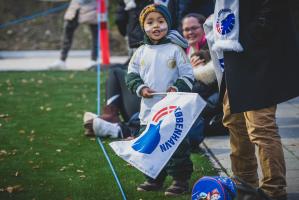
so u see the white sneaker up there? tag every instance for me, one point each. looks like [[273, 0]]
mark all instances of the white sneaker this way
[[58, 65], [88, 116], [103, 128]]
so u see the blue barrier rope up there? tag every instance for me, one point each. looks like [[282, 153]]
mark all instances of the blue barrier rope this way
[[26, 18], [99, 111]]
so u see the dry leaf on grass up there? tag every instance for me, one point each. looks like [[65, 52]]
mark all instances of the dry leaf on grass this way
[[59, 150], [62, 168], [3, 115], [40, 81], [68, 105], [17, 173], [3, 152], [82, 176], [15, 188], [79, 171], [35, 167]]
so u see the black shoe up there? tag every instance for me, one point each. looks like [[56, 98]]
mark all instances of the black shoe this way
[[149, 186], [177, 188]]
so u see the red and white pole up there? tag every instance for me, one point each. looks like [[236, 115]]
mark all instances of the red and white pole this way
[[104, 33]]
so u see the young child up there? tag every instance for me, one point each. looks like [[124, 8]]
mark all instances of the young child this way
[[161, 65]]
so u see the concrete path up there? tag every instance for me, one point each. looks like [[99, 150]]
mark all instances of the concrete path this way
[[218, 147], [40, 60]]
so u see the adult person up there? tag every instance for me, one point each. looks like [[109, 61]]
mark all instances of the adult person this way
[[205, 80], [254, 87], [78, 12]]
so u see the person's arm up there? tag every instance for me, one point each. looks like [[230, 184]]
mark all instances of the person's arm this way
[[186, 79], [121, 18], [134, 82]]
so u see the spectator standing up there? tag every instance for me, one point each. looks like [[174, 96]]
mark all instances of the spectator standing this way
[[78, 12], [253, 89]]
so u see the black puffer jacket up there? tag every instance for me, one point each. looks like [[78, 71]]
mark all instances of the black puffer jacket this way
[[128, 23]]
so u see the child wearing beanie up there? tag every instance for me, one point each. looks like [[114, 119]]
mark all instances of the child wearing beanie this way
[[160, 65]]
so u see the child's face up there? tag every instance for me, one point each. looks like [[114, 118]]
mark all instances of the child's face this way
[[155, 26]]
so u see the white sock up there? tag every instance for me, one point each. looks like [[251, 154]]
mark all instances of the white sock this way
[[103, 128]]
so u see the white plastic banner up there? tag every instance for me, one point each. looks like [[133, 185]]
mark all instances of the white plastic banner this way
[[171, 119]]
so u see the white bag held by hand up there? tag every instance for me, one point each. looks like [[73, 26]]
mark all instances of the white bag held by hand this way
[[171, 119]]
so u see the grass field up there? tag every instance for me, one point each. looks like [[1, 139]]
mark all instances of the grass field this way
[[43, 153]]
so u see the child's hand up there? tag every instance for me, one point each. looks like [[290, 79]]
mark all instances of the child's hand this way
[[146, 92], [171, 89], [195, 61]]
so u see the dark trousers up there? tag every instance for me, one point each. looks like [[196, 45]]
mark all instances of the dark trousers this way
[[179, 166], [127, 102], [68, 33]]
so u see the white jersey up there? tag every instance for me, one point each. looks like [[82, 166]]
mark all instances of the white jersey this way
[[159, 66]]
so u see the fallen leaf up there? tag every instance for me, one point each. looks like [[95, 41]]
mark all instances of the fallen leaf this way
[[24, 81], [58, 150], [41, 107], [0, 124], [3, 152], [40, 81], [71, 164], [11, 93], [82, 176], [3, 115], [14, 151], [17, 173], [0, 94], [62, 168], [92, 139], [32, 132], [35, 167], [79, 171], [22, 131], [16, 188], [30, 162], [72, 75], [48, 109], [37, 153], [69, 105], [9, 189]]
